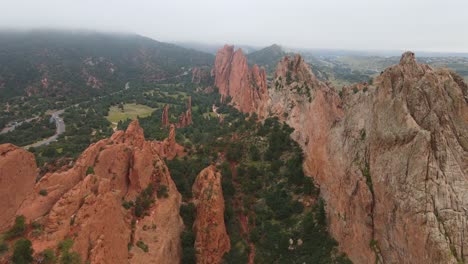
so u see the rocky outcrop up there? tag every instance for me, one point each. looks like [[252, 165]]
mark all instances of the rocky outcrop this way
[[212, 241], [396, 180], [168, 148], [390, 158], [85, 203], [160, 229], [185, 119], [314, 109], [222, 69], [17, 177], [165, 116], [418, 162], [246, 87]]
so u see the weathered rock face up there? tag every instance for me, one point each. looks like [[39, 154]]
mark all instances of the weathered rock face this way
[[17, 177], [247, 87], [222, 69], [85, 203], [390, 158], [161, 229], [165, 116], [314, 109], [212, 241], [418, 159]]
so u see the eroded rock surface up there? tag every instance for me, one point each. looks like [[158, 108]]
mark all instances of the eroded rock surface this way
[[85, 202], [18, 173], [390, 158], [247, 87], [212, 240]]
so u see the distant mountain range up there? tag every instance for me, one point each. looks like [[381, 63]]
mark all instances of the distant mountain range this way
[[51, 62]]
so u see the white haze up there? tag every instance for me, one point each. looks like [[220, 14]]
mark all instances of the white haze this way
[[429, 25]]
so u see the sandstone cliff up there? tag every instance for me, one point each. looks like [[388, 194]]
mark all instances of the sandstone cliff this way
[[212, 241], [17, 177], [247, 87], [85, 203], [165, 116], [390, 158]]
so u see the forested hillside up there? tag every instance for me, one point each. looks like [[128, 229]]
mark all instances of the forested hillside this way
[[54, 63]]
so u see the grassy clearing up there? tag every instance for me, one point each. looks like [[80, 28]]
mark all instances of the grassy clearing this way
[[130, 111], [210, 114]]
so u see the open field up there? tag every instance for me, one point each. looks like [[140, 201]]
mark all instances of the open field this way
[[130, 111]]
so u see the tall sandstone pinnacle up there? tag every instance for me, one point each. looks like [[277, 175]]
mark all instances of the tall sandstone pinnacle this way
[[247, 87], [212, 240], [85, 202], [391, 158], [165, 116], [185, 119]]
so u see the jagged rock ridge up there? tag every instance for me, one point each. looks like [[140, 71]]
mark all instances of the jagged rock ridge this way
[[390, 158], [247, 87], [85, 203]]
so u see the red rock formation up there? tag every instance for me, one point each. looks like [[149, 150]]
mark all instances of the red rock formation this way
[[169, 148], [17, 177], [247, 87], [212, 241], [222, 69], [312, 108], [165, 116], [185, 119], [390, 159], [418, 160], [85, 202]]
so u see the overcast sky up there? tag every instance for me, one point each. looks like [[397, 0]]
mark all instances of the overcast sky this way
[[424, 25]]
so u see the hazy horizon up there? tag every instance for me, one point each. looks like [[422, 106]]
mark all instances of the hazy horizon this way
[[427, 26]]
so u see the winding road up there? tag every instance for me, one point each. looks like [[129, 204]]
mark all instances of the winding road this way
[[11, 126], [60, 129], [60, 124]]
